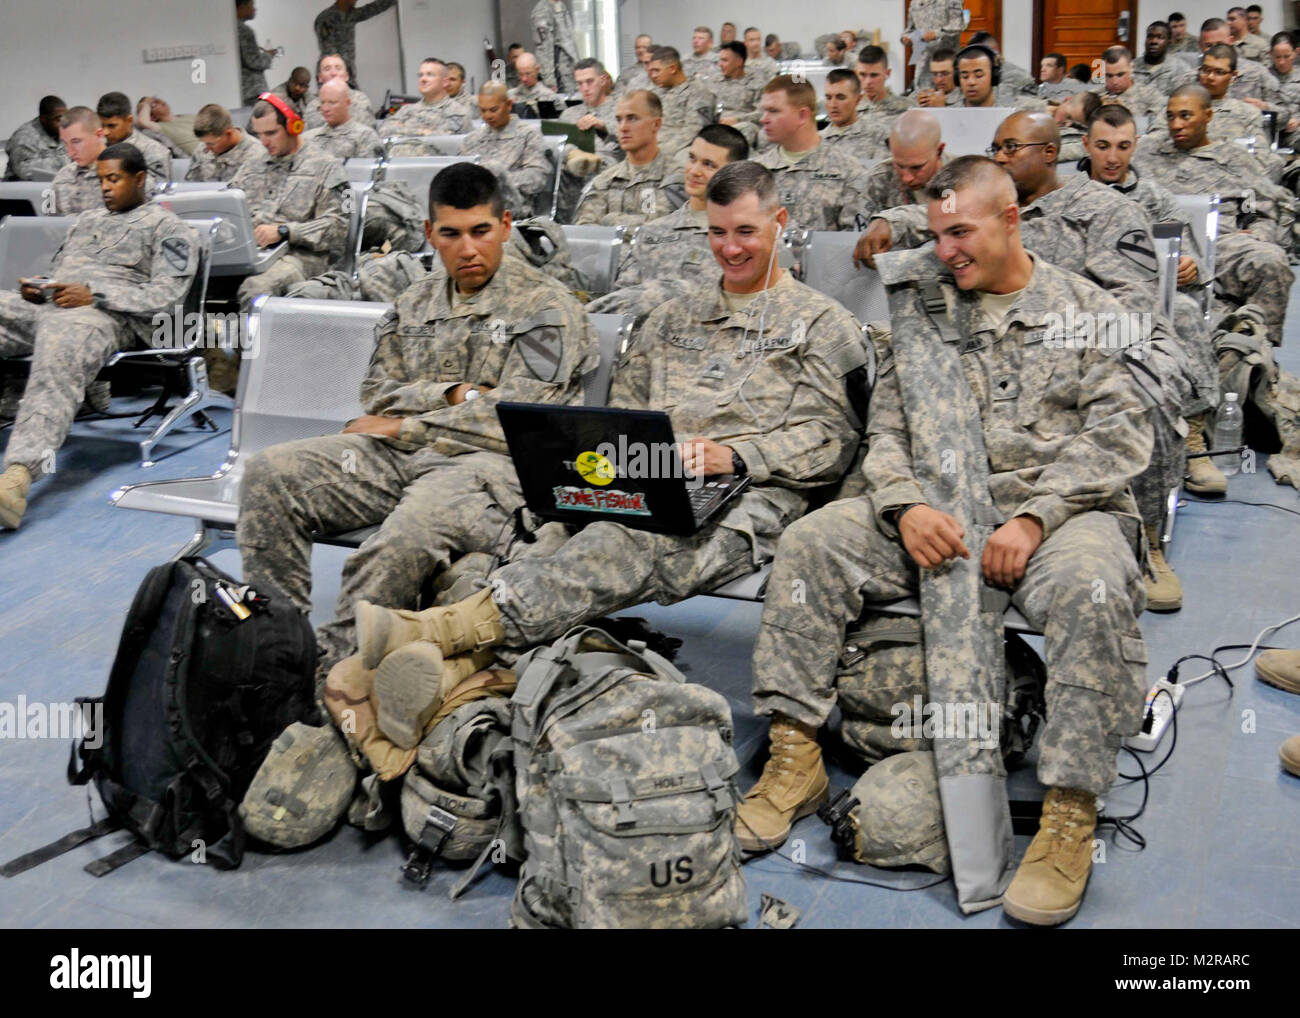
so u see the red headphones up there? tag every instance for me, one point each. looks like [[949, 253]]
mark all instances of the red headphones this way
[[293, 122]]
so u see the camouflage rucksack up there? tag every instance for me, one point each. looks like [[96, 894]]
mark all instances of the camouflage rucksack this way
[[394, 214], [542, 244], [624, 776], [383, 277], [881, 682]]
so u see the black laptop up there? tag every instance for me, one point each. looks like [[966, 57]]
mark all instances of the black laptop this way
[[582, 464]]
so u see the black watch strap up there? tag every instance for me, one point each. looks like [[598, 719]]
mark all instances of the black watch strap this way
[[738, 465]]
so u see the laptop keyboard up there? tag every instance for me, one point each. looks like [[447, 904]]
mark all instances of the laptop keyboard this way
[[706, 497]]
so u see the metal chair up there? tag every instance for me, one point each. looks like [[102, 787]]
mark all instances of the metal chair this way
[[827, 260], [1202, 214], [1169, 244], [968, 131], [27, 198], [594, 251], [301, 378], [234, 252], [613, 332]]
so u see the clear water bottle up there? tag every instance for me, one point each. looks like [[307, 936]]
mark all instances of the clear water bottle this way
[[1227, 434]]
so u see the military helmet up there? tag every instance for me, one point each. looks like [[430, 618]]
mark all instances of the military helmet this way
[[899, 820], [302, 788]]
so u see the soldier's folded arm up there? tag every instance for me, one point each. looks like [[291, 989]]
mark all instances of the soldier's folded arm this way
[[327, 233], [535, 172], [1111, 449], [817, 439], [891, 483], [172, 266], [388, 388], [550, 352], [909, 225]]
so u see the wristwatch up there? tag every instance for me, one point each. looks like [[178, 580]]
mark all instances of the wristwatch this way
[[284, 232], [471, 394], [738, 465]]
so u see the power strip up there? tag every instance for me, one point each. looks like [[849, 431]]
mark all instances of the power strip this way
[[1162, 712]]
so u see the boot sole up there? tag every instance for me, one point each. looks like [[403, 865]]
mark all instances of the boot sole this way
[[807, 808], [1212, 491], [1164, 607], [1272, 678], [1039, 916], [407, 683]]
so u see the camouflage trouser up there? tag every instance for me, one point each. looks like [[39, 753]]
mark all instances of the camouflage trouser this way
[[68, 347], [606, 567], [1252, 271], [429, 509], [1082, 586], [561, 73], [283, 273], [1165, 471]]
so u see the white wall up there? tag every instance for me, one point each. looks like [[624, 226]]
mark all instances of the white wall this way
[[449, 30], [79, 51]]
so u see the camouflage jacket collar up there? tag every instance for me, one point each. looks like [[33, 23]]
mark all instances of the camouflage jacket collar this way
[[709, 306], [1032, 308], [685, 218], [1215, 151], [655, 169], [485, 302], [1057, 201]]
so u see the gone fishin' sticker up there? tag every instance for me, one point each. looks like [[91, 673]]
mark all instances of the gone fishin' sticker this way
[[594, 468]]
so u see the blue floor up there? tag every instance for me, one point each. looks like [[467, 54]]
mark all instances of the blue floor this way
[[1222, 826]]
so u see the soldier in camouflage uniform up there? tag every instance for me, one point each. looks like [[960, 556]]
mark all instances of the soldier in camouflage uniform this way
[[752, 373], [636, 76], [1156, 66], [120, 266], [1140, 100], [596, 113], [736, 92], [293, 90], [975, 81], [916, 155], [877, 102], [1069, 523], [34, 148], [854, 136], [703, 61], [508, 148], [557, 49], [688, 103], [224, 149], [530, 89], [336, 28], [76, 185], [1255, 218], [435, 113], [253, 59], [1072, 117], [333, 68], [676, 246], [758, 63], [644, 185], [118, 121], [1246, 80], [1248, 46], [295, 192], [940, 24], [821, 187], [428, 460], [340, 135], [1180, 40]]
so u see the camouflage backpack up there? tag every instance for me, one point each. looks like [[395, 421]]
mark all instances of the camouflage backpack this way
[[624, 776], [393, 215], [383, 277], [542, 244]]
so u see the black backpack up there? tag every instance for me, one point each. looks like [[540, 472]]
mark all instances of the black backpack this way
[[207, 674]]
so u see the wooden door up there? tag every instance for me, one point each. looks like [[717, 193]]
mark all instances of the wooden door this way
[[985, 16], [1084, 29]]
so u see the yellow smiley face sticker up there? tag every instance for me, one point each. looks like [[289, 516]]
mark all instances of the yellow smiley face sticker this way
[[594, 468]]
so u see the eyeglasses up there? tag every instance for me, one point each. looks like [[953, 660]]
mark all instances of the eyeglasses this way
[[1012, 147], [1216, 72]]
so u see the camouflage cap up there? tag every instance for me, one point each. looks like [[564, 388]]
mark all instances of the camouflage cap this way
[[456, 827], [899, 817], [302, 788]]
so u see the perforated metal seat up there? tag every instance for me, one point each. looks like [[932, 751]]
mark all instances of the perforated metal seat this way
[[827, 260], [1201, 211], [594, 251], [969, 131], [234, 252]]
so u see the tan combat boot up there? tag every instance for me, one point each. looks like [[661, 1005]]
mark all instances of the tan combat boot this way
[[15, 483], [1280, 668], [1203, 477], [1048, 886], [471, 624], [411, 683], [1164, 591], [793, 785], [1290, 754]]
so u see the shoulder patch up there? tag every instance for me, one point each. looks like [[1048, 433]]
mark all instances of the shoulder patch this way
[[176, 252], [1135, 245]]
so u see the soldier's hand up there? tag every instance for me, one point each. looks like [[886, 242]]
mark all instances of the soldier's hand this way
[[1008, 550], [931, 537], [1257, 103], [703, 457], [589, 122], [729, 121], [876, 238], [72, 295], [370, 424], [928, 97], [1186, 270], [266, 235], [31, 292]]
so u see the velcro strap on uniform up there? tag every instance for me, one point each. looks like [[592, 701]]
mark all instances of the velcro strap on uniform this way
[[279, 797]]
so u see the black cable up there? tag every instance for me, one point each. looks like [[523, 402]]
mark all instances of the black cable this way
[[1237, 501]]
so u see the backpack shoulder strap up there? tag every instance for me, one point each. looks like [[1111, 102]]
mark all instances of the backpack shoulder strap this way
[[67, 843]]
